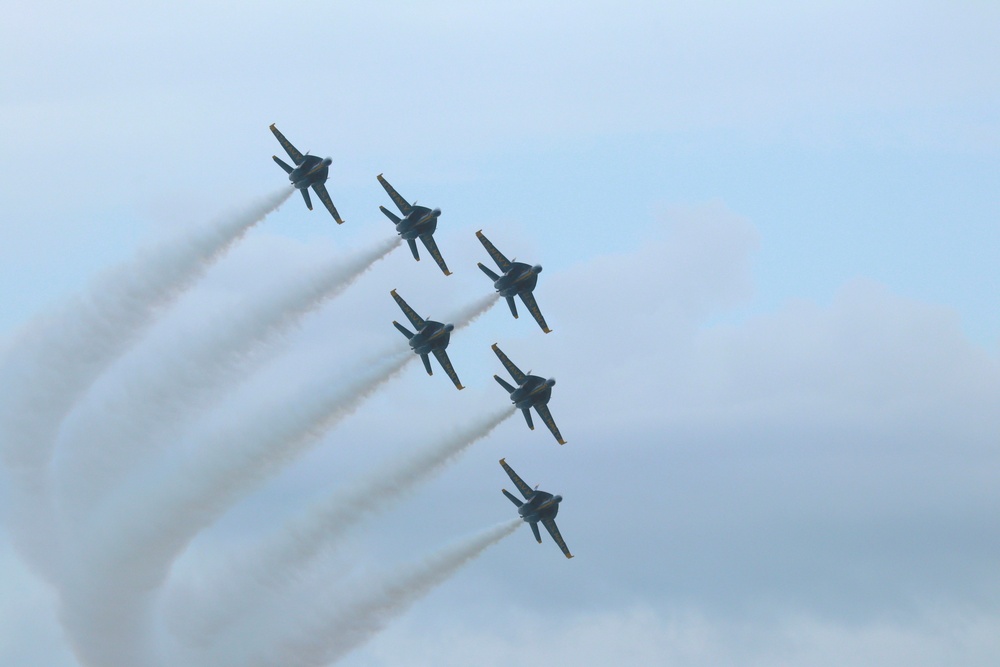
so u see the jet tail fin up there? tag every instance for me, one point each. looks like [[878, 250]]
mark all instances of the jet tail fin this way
[[403, 330], [494, 277], [305, 195], [511, 497], [427, 363], [413, 249], [282, 164], [534, 529]]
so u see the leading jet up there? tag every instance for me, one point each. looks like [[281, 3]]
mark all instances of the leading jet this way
[[418, 222], [309, 171], [518, 279], [431, 338], [532, 391], [537, 506]]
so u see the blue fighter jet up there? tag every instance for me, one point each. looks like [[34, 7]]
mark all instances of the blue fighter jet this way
[[538, 506], [309, 171], [518, 279], [430, 338], [418, 222], [532, 391]]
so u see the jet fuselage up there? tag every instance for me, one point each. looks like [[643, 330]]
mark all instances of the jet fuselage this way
[[534, 391], [542, 505], [419, 221], [433, 335], [312, 171], [519, 278]]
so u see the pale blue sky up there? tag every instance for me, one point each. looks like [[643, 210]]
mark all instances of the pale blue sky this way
[[769, 235]]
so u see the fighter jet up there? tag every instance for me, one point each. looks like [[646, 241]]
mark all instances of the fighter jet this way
[[538, 506], [309, 171], [532, 392], [431, 337], [418, 222], [518, 279]]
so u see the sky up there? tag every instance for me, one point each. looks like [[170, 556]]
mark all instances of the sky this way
[[768, 235]]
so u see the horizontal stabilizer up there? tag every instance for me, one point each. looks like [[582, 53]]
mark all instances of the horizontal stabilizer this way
[[511, 497], [389, 214], [403, 330], [494, 277], [513, 306], [503, 383], [281, 163]]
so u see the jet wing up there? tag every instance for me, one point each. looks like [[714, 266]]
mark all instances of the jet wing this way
[[432, 248], [515, 372], [543, 412], [525, 490], [550, 525], [497, 256], [292, 151], [403, 205], [411, 314], [529, 300], [324, 197], [442, 357]]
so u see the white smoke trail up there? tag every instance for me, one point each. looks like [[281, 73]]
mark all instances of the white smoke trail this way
[[325, 628], [265, 570], [127, 554], [56, 357], [471, 313], [103, 444]]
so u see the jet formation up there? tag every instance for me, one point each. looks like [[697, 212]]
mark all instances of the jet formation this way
[[516, 279], [309, 171], [430, 338], [538, 506]]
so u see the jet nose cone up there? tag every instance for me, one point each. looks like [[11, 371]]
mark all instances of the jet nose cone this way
[[537, 268], [551, 382], [449, 327], [557, 499], [436, 212], [327, 162]]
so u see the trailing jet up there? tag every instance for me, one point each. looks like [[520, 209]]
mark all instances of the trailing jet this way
[[431, 337], [309, 171], [532, 392], [518, 279], [418, 222], [537, 506]]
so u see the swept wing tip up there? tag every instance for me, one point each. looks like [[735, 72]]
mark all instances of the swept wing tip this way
[[547, 330], [461, 387], [562, 442], [503, 460]]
